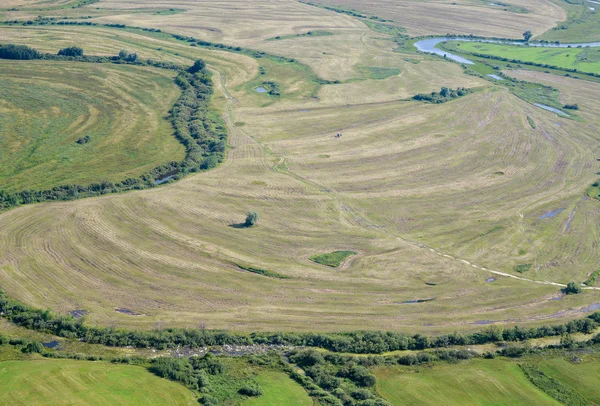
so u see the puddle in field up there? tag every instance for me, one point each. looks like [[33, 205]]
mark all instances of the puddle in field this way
[[51, 344], [78, 313], [559, 297], [127, 312], [163, 180], [490, 280], [551, 214], [483, 322], [261, 90], [495, 76], [417, 301], [552, 109], [591, 308]]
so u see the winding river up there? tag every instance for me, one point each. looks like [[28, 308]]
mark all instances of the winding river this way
[[429, 45]]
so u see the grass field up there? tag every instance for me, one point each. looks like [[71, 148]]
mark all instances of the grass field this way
[[46, 107], [581, 25], [478, 382], [279, 389], [582, 59], [66, 382]]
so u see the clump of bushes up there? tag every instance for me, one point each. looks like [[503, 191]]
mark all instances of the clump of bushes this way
[[445, 94], [251, 219], [573, 288], [571, 106], [71, 51], [19, 52]]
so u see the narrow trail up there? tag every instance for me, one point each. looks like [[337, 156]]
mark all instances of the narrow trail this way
[[355, 214]]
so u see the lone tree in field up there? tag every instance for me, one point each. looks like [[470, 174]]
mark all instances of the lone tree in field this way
[[71, 51], [527, 35], [573, 288], [251, 219]]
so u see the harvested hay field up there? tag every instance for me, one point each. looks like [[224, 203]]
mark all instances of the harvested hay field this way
[[436, 199], [459, 17], [116, 112]]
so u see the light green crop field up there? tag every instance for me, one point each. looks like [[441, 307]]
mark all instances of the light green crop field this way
[[581, 376], [279, 389], [476, 382], [67, 382], [45, 107], [582, 59]]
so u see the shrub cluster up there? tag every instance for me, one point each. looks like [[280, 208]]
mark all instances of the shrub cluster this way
[[19, 52], [445, 94]]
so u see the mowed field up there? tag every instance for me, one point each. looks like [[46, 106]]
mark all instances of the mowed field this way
[[68, 382], [460, 17], [497, 381], [583, 59], [433, 198], [45, 107]]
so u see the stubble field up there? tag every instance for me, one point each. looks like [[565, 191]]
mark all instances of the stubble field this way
[[433, 198]]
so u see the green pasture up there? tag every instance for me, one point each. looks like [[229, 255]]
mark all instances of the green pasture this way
[[583, 59], [68, 382], [477, 382], [279, 389], [46, 107]]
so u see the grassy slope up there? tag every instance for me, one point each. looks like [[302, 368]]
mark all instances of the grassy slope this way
[[570, 58], [47, 106], [279, 389], [582, 24], [67, 382], [478, 382], [581, 376]]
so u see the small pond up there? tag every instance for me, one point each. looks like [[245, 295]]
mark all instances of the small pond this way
[[261, 90]]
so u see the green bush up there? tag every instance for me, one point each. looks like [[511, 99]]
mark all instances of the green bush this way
[[573, 288], [251, 390], [251, 219]]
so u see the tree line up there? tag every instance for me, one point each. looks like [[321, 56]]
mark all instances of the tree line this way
[[360, 342], [195, 125]]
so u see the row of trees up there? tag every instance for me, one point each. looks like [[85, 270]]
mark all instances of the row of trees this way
[[374, 342], [195, 125]]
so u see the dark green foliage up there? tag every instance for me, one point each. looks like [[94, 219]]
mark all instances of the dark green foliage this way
[[20, 52], [571, 106], [445, 94], [573, 288], [531, 122], [208, 400], [591, 280], [127, 56], [263, 272], [272, 88], [527, 35], [180, 370], [552, 387], [251, 219], [198, 66], [251, 390], [71, 51], [33, 347], [522, 268], [84, 140]]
